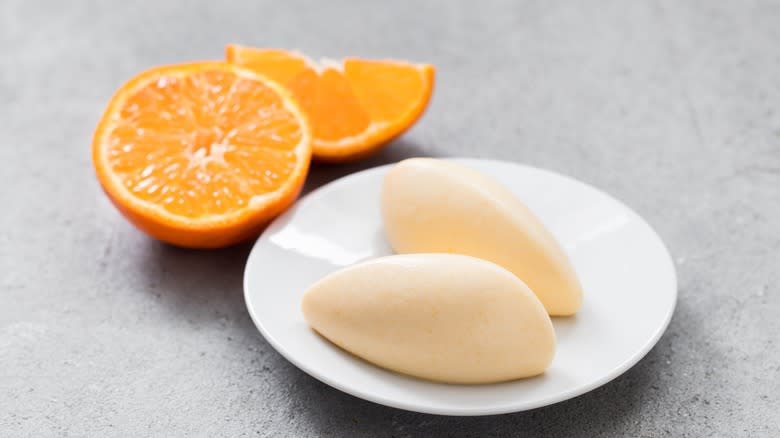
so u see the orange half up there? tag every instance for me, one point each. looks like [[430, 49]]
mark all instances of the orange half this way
[[355, 107], [202, 155]]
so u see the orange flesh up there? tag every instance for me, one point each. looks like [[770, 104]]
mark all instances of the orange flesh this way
[[384, 89], [333, 110], [206, 154], [353, 108]]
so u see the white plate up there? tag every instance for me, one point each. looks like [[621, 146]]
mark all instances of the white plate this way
[[628, 278]]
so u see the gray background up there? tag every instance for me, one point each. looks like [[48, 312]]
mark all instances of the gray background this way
[[670, 106]]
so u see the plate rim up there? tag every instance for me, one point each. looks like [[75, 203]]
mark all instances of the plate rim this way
[[476, 411]]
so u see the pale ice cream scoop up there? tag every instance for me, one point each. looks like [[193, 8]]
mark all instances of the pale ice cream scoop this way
[[431, 205], [442, 317]]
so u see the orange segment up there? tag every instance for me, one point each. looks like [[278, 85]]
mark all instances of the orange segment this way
[[332, 108], [386, 89], [354, 107], [278, 65], [202, 155]]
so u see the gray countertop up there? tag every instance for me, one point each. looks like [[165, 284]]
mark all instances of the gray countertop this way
[[672, 107]]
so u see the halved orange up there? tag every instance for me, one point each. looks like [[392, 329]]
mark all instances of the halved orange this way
[[202, 155], [355, 107]]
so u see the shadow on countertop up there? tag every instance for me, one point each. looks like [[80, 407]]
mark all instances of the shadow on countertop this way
[[321, 174]]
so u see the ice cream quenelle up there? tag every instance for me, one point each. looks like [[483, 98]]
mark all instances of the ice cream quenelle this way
[[431, 205], [443, 317]]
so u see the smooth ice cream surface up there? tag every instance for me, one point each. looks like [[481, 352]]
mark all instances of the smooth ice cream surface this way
[[442, 317], [431, 205]]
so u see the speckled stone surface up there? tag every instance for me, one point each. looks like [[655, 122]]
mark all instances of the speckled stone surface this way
[[673, 107]]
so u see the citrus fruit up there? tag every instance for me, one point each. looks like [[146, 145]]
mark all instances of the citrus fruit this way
[[201, 155], [354, 107]]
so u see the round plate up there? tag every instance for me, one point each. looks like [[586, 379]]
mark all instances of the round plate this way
[[627, 275]]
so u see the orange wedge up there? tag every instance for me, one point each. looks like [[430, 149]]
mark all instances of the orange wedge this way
[[354, 107], [202, 155]]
